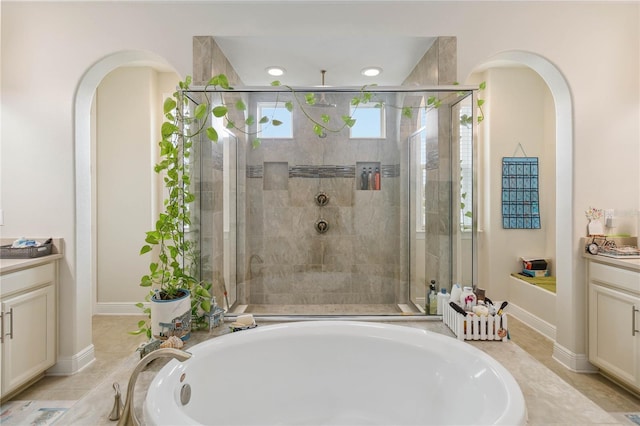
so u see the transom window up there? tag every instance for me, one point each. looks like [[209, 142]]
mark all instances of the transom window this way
[[369, 122], [278, 112]]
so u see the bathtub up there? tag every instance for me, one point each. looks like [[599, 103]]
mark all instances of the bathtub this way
[[335, 373]]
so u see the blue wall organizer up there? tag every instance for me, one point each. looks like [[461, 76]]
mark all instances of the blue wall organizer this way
[[520, 201]]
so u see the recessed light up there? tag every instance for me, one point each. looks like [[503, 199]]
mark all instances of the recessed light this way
[[275, 71], [371, 71]]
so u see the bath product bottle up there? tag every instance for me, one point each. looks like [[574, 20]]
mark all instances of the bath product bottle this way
[[364, 179], [467, 299], [456, 291], [377, 180], [433, 298], [443, 300], [370, 179]]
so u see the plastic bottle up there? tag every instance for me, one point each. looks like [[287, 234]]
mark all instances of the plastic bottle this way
[[468, 299], [443, 300], [456, 291], [433, 298], [376, 179]]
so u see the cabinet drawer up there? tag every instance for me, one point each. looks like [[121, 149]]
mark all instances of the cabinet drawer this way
[[616, 277], [27, 278]]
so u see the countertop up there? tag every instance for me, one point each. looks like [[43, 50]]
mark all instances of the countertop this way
[[631, 264], [13, 265]]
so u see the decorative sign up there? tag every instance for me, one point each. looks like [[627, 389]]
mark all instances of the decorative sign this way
[[520, 202]]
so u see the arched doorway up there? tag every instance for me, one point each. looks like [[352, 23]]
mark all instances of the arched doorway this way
[[82, 306]]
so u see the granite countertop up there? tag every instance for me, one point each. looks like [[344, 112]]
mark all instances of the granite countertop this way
[[13, 265]]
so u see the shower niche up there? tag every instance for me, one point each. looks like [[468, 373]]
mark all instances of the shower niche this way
[[368, 176], [381, 228]]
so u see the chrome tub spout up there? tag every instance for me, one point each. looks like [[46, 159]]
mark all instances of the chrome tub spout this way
[[128, 416]]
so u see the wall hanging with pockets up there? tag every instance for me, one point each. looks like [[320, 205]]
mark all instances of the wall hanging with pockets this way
[[520, 201]]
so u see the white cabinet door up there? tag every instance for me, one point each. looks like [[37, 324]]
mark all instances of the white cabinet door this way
[[613, 344], [29, 326]]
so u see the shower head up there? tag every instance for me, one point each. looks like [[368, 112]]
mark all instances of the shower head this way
[[322, 102]]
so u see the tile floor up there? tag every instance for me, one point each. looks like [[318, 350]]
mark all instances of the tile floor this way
[[554, 395]]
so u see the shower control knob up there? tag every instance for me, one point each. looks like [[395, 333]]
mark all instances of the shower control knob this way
[[322, 199], [322, 226]]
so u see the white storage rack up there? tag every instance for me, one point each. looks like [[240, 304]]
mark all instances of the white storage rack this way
[[474, 327]]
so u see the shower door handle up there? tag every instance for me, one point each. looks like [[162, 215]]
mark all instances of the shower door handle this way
[[633, 320]]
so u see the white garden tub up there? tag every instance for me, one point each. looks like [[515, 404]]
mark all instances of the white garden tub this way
[[335, 373]]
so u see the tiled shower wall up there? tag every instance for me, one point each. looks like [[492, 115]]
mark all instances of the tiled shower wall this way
[[358, 259]]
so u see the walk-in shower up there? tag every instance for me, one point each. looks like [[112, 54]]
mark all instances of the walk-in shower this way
[[355, 219]]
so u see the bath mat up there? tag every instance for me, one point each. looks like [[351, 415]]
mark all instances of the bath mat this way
[[36, 413]]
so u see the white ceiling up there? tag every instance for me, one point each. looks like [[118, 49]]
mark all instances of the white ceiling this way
[[343, 57]]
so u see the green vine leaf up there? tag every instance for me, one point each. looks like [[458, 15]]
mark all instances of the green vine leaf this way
[[212, 134], [250, 120], [407, 112], [264, 120], [318, 129], [201, 111], [240, 106], [168, 129], [348, 120], [289, 106], [276, 122], [256, 143], [325, 118], [220, 111], [275, 83], [169, 105], [310, 98]]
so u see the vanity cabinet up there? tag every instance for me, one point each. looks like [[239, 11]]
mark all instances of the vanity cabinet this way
[[614, 321], [28, 325]]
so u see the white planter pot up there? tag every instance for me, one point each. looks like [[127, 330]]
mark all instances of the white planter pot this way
[[171, 317]]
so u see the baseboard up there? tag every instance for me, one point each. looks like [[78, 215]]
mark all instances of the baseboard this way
[[110, 308], [574, 362], [67, 366], [541, 326]]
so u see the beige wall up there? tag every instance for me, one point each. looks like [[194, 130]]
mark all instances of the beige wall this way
[[128, 104]]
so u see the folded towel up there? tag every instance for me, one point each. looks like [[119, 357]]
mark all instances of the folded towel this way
[[22, 243], [246, 319]]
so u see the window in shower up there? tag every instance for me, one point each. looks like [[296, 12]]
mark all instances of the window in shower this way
[[276, 113], [466, 169], [369, 122]]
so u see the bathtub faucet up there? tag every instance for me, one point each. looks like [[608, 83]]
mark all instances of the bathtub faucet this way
[[128, 416]]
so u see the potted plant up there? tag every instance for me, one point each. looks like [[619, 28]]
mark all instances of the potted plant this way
[[178, 299]]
